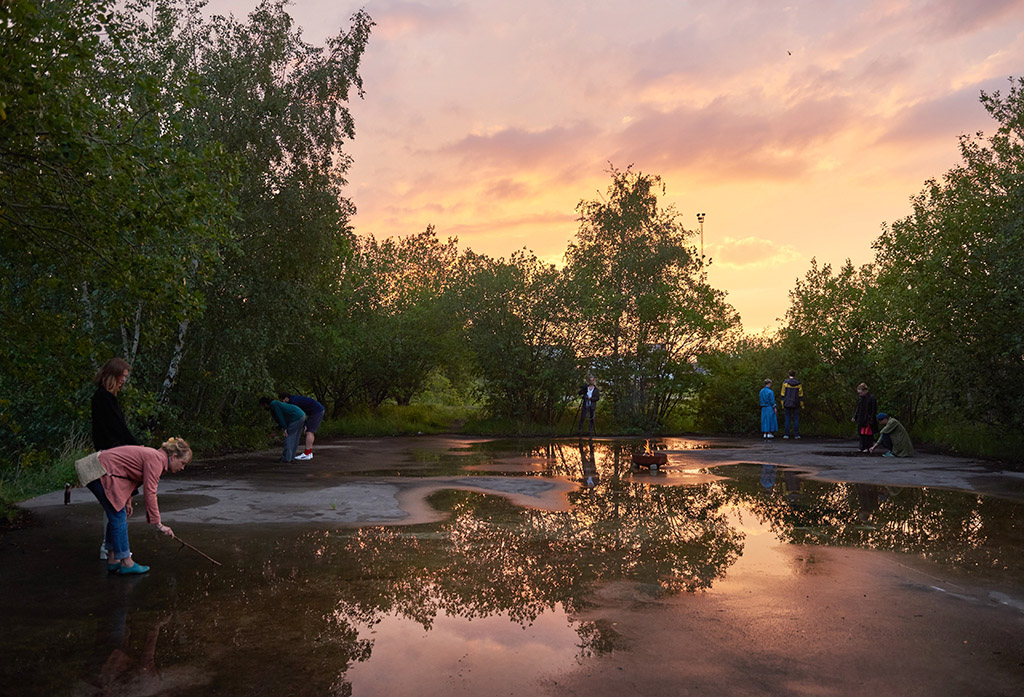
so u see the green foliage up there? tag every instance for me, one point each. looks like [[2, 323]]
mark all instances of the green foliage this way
[[171, 193], [398, 420], [36, 472], [830, 339], [277, 105], [524, 350], [949, 286], [733, 377], [108, 215], [640, 298]]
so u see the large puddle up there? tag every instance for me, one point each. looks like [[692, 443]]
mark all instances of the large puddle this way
[[696, 576]]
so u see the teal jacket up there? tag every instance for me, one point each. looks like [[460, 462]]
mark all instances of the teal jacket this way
[[285, 413]]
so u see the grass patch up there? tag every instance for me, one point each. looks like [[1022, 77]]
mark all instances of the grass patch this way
[[395, 420], [34, 472], [481, 426], [975, 440]]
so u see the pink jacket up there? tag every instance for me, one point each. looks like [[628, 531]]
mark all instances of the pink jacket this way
[[129, 466]]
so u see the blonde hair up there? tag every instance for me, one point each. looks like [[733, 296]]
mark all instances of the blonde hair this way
[[110, 372], [177, 446], [862, 387]]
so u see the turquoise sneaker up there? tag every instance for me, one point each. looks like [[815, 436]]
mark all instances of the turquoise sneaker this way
[[134, 569]]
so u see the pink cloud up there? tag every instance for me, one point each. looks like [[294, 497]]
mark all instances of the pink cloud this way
[[505, 189], [748, 137], [943, 117], [952, 18], [519, 148], [399, 18]]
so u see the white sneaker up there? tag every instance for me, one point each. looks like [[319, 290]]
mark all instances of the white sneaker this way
[[771, 435], [785, 438], [304, 456], [103, 551]]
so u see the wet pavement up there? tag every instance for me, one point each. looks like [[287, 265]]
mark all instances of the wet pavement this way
[[457, 566]]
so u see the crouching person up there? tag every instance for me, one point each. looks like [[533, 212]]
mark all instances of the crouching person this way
[[893, 437]]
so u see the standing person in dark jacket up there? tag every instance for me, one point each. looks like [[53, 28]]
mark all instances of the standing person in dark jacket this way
[[290, 418], [792, 400], [109, 428], [589, 394], [314, 415], [865, 417]]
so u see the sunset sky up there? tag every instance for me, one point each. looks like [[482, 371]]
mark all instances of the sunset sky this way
[[798, 127]]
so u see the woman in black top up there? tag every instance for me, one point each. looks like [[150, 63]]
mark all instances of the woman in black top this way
[[109, 428], [866, 417]]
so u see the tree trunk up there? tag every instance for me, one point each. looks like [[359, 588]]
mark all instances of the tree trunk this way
[[172, 368]]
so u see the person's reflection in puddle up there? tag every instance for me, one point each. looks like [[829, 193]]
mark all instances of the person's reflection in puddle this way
[[869, 498], [131, 668], [589, 464], [125, 674], [792, 489]]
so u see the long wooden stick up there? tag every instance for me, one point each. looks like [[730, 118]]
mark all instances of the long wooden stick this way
[[201, 553]]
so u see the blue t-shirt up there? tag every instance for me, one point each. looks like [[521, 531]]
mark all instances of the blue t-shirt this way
[[306, 404]]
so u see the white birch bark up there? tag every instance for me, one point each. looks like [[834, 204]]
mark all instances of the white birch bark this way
[[172, 368]]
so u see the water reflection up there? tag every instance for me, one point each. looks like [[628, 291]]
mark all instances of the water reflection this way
[[323, 606], [968, 532], [588, 464]]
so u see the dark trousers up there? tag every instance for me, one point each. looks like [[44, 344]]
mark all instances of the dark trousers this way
[[792, 413], [866, 441], [885, 440], [587, 412]]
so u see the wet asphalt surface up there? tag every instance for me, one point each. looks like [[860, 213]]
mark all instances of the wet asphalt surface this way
[[438, 565]]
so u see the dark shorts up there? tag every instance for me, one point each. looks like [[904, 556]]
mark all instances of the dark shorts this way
[[313, 421]]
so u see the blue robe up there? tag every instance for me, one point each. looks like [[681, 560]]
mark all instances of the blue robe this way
[[769, 421]]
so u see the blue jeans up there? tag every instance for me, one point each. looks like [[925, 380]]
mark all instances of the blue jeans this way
[[291, 439], [794, 414], [116, 535]]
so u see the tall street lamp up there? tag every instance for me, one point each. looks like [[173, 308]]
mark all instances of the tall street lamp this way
[[700, 219]]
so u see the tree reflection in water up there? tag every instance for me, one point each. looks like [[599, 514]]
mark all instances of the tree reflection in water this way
[[968, 532], [491, 556], [305, 604]]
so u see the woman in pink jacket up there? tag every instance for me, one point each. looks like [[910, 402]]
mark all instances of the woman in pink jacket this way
[[129, 467]]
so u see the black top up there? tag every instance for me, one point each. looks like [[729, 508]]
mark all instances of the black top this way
[[596, 396], [109, 428], [867, 410]]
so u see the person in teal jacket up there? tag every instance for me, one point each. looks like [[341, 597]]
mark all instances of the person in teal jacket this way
[[289, 417]]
